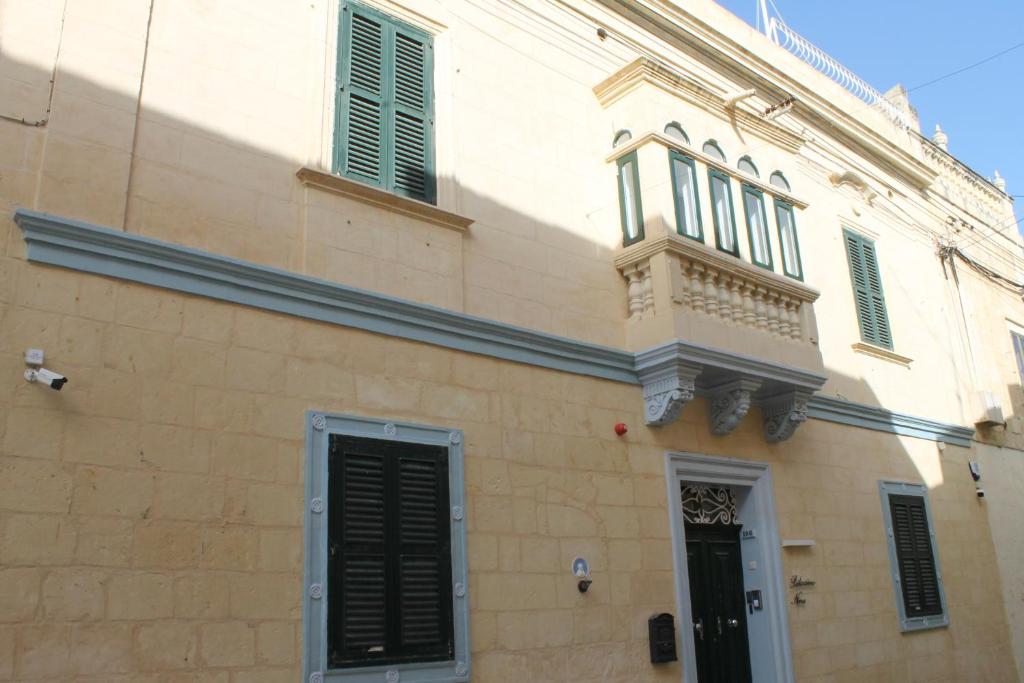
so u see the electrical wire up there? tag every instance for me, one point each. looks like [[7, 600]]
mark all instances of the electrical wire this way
[[968, 67], [948, 252]]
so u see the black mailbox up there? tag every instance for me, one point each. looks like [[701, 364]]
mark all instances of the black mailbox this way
[[661, 629]]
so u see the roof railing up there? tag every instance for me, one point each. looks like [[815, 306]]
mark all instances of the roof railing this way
[[793, 42]]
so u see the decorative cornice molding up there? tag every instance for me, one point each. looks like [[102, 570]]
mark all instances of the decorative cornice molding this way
[[68, 243], [74, 244], [643, 70], [869, 417], [689, 33], [361, 192]]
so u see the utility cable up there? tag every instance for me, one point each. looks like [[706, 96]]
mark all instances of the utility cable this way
[[968, 67]]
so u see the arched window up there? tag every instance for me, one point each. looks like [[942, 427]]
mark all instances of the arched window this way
[[745, 165], [712, 149], [621, 138], [779, 181], [674, 130]]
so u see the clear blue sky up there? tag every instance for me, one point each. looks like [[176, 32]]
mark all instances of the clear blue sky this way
[[913, 42]]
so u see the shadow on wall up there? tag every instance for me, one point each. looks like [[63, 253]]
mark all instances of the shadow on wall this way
[[176, 181]]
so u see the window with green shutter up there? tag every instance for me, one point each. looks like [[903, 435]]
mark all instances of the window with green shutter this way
[[389, 556], [913, 559], [385, 568], [383, 133], [867, 290]]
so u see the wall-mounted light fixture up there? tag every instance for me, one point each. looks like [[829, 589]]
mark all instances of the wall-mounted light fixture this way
[[581, 570]]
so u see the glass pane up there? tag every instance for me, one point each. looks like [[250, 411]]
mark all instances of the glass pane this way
[[747, 167], [674, 131], [723, 222], [686, 198], [758, 230], [778, 180], [712, 150], [628, 180], [787, 234]]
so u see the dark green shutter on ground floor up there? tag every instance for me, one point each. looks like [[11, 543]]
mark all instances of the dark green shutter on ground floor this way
[[919, 580], [389, 553]]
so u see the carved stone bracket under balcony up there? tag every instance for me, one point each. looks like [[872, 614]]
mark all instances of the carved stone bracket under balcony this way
[[668, 385], [728, 403], [674, 373], [783, 413]]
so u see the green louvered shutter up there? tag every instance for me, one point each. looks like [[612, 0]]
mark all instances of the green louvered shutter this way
[[918, 576], [389, 563], [867, 290], [384, 121], [361, 110], [412, 127]]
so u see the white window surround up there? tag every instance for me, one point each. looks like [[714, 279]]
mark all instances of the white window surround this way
[[322, 86], [319, 427], [768, 629]]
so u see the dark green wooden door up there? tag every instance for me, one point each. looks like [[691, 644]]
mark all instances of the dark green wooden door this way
[[716, 594]]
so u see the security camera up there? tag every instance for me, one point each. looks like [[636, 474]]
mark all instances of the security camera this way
[[48, 377], [980, 492]]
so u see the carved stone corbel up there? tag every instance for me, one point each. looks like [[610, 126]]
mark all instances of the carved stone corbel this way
[[728, 403], [668, 386], [783, 414]]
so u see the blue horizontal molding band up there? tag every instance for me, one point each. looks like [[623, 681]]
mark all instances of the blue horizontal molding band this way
[[879, 419], [68, 243], [65, 242]]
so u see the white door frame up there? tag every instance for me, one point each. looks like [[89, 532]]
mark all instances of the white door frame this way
[[759, 516]]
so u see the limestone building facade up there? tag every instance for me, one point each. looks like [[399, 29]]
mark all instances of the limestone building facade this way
[[422, 340]]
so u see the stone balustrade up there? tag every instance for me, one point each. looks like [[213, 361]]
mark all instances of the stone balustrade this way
[[705, 286]]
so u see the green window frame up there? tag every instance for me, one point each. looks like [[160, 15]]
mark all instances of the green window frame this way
[[686, 196], [384, 104], [722, 212], [869, 299], [913, 556], [630, 208], [757, 227], [789, 244]]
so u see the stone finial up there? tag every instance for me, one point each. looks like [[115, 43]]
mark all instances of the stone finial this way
[[940, 139], [999, 181]]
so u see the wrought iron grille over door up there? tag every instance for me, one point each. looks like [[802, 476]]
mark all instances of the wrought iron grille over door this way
[[708, 505]]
